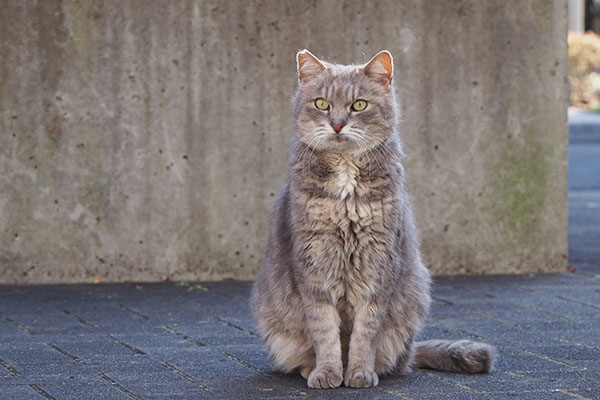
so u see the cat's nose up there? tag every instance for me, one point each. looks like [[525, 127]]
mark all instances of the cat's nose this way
[[337, 127]]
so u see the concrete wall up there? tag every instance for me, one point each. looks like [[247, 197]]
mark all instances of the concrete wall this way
[[576, 15], [146, 140]]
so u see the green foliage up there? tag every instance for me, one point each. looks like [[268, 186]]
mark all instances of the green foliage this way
[[192, 288], [197, 288]]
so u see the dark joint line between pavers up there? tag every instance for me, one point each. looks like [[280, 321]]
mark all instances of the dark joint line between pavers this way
[[437, 322], [472, 291], [64, 352], [578, 302], [216, 292], [127, 346], [125, 308], [582, 390], [571, 394], [15, 323], [527, 289], [180, 303], [246, 364], [116, 385], [510, 323], [395, 394], [531, 373], [442, 300], [514, 325], [9, 367], [516, 375], [184, 375], [236, 299], [451, 382], [533, 308], [562, 339], [183, 336], [543, 357], [237, 327], [41, 391], [527, 391], [78, 319], [303, 393]]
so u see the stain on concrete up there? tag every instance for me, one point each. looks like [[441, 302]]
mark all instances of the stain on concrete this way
[[521, 186]]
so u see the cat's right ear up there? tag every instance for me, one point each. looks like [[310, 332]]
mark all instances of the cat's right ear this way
[[381, 67], [309, 66]]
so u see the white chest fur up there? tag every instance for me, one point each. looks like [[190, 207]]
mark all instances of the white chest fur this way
[[346, 172]]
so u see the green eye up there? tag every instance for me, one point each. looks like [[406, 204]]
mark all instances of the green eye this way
[[359, 105], [321, 104]]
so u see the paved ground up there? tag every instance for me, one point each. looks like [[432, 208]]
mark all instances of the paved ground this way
[[168, 341], [584, 190]]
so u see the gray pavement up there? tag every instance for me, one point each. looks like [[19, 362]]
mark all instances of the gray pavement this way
[[197, 341], [163, 341], [584, 191], [584, 151]]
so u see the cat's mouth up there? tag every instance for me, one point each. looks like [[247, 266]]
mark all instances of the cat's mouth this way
[[338, 138]]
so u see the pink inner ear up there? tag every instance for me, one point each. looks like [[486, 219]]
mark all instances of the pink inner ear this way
[[387, 64], [381, 65], [379, 68]]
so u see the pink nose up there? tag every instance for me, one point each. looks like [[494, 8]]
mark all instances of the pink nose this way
[[337, 127]]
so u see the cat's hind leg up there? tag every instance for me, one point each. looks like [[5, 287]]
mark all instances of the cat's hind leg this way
[[290, 351], [305, 371], [394, 351]]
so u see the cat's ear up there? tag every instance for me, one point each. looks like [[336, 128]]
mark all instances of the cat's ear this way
[[381, 67], [309, 66]]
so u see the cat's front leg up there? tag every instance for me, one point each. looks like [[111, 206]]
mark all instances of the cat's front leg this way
[[360, 371], [324, 325]]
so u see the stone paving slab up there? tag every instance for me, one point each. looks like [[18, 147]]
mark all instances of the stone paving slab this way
[[168, 341]]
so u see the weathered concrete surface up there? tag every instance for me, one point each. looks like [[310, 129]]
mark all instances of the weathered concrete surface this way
[[145, 140]]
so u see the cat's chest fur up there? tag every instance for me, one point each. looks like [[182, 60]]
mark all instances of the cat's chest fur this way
[[351, 201], [348, 227], [345, 174]]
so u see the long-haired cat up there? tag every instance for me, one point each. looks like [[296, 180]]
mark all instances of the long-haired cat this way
[[343, 292]]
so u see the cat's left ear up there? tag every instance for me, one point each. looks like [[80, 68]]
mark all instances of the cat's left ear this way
[[381, 67]]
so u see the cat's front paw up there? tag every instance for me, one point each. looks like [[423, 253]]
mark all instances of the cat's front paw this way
[[325, 378], [361, 378]]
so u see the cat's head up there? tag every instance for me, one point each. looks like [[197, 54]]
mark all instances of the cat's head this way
[[344, 108]]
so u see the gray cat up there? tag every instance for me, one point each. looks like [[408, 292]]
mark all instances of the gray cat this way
[[343, 291]]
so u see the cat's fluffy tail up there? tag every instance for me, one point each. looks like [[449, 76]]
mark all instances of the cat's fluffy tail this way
[[454, 356]]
